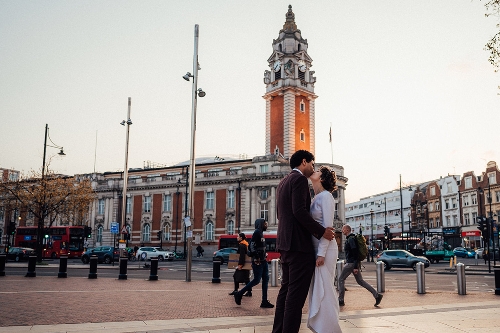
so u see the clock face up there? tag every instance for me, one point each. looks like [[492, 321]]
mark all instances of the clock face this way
[[302, 66], [277, 65]]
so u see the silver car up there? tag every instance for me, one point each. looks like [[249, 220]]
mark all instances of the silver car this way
[[401, 258], [148, 252]]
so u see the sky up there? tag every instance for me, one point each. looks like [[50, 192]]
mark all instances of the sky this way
[[405, 85]]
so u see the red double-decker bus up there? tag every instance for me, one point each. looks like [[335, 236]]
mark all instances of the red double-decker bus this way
[[230, 241], [57, 241]]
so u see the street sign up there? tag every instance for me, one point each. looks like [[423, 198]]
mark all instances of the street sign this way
[[124, 230], [122, 246], [114, 227]]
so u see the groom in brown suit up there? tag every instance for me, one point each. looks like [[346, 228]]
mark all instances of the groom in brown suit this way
[[294, 242]]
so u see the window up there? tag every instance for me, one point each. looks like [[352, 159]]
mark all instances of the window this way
[[263, 211], [468, 182], [497, 195], [433, 190], [264, 194], [167, 232], [448, 187], [209, 231], [446, 204], [99, 234], [100, 207], [431, 222], [453, 202], [448, 221], [474, 217], [302, 106], [467, 219], [438, 222], [474, 199], [264, 168], [465, 201], [147, 204], [1, 214], [492, 179], [302, 135], [437, 205], [230, 227], [167, 203], [431, 206], [146, 232], [210, 200], [129, 205], [230, 199]]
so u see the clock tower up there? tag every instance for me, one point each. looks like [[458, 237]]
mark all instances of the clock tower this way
[[289, 93]]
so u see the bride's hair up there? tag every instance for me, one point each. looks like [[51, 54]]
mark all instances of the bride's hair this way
[[328, 179]]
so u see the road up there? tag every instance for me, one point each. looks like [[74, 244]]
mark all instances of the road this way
[[437, 277]]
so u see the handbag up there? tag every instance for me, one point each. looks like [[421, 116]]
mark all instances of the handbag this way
[[241, 275], [235, 257]]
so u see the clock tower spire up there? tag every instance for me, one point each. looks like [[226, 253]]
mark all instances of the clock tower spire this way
[[289, 93]]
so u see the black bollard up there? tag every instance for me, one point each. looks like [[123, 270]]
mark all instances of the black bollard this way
[[93, 267], [497, 280], [3, 258], [216, 275], [123, 269], [31, 267], [153, 276], [63, 267]]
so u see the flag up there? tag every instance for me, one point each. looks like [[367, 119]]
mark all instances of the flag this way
[[330, 133]]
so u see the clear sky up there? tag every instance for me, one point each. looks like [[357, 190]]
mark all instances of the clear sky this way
[[405, 84]]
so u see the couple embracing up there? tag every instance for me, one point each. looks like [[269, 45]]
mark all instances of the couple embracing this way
[[308, 254]]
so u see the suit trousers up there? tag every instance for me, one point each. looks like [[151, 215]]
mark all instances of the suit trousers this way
[[297, 271]]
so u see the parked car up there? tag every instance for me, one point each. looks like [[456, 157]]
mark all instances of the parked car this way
[[20, 253], [105, 254], [463, 252], [146, 253], [479, 252], [401, 258], [223, 254]]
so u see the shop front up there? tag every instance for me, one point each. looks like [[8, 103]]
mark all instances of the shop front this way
[[471, 238]]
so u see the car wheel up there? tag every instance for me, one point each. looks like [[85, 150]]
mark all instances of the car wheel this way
[[85, 260], [53, 255], [107, 260], [386, 266], [414, 266], [18, 258], [160, 258]]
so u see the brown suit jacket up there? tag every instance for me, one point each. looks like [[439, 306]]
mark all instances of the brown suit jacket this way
[[295, 225]]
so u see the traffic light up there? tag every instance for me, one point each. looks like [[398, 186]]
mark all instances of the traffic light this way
[[11, 228], [386, 231], [87, 232], [127, 236], [483, 227]]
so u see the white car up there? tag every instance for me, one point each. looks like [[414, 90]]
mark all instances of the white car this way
[[146, 253]]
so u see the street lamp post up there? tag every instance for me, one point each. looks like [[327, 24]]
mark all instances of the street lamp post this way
[[490, 224], [177, 193], [371, 239], [41, 221], [402, 217], [128, 122], [385, 222]]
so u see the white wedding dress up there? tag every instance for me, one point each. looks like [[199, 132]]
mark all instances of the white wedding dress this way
[[323, 297]]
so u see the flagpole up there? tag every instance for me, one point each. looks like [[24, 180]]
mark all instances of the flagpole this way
[[331, 141]]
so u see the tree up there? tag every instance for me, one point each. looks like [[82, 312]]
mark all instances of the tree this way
[[48, 199], [493, 45]]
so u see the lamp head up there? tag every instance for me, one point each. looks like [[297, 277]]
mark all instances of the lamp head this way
[[187, 76], [123, 123], [201, 93], [61, 152]]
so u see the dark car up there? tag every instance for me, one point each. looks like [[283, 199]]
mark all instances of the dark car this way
[[463, 252], [401, 258], [105, 254], [20, 253], [223, 254]]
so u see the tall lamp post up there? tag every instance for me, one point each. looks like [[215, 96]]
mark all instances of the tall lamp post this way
[[41, 222], [371, 238], [490, 224], [177, 193], [402, 217], [195, 93], [128, 122]]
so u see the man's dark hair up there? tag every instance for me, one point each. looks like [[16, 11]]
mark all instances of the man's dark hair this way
[[298, 156]]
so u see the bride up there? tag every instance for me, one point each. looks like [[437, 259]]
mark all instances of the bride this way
[[323, 298]]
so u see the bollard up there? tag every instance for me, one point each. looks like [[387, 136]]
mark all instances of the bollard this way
[[420, 278], [3, 258], [63, 267], [455, 260], [93, 267], [338, 270], [274, 272], [497, 279], [451, 262], [216, 274], [461, 279], [31, 267], [153, 275], [475, 257], [380, 277], [123, 269]]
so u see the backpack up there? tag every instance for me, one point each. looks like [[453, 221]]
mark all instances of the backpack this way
[[362, 248]]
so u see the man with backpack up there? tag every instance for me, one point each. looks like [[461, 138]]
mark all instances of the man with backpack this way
[[353, 264]]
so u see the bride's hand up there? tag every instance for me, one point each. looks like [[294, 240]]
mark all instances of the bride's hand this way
[[320, 261]]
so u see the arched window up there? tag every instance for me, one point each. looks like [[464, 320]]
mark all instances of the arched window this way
[[99, 233], [230, 227], [146, 232], [167, 232], [209, 231]]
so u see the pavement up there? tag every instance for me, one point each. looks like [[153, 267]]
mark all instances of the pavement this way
[[51, 304]]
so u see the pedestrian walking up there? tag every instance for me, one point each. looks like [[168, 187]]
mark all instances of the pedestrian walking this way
[[294, 242], [199, 251], [259, 265], [241, 275], [353, 265]]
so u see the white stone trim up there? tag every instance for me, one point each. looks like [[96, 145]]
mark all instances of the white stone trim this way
[[288, 123], [312, 128]]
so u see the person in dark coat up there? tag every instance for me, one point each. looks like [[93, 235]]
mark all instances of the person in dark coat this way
[[260, 267], [294, 242], [241, 275]]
